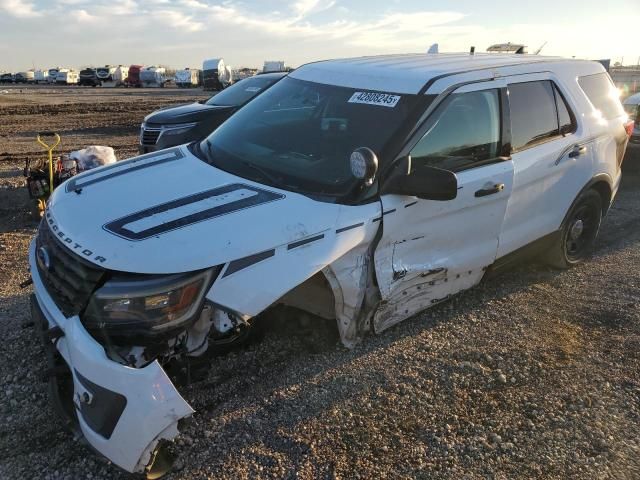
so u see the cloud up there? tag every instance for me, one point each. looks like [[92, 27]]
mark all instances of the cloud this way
[[82, 16], [19, 8], [177, 20], [303, 8]]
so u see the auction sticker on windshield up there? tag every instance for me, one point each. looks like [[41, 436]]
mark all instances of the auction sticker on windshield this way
[[375, 98]]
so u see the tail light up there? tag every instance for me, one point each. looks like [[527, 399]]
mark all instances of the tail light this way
[[629, 127]]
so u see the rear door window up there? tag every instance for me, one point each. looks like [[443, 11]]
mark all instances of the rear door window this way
[[464, 132], [602, 94], [533, 113]]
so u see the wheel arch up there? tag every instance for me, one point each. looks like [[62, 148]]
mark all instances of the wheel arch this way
[[601, 183]]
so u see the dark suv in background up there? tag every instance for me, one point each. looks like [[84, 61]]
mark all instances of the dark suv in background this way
[[173, 126]]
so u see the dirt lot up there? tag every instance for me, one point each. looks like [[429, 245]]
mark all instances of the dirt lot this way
[[533, 374]]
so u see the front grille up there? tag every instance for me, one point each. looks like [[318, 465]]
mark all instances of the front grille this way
[[149, 136], [70, 280]]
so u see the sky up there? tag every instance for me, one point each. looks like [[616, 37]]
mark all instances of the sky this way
[[182, 33]]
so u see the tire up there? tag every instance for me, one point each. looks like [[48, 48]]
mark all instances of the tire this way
[[578, 232]]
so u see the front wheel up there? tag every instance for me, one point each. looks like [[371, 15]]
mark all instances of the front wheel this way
[[578, 232]]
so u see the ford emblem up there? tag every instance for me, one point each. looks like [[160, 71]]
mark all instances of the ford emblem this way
[[43, 258]]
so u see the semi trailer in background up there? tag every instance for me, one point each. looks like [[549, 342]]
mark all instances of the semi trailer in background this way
[[105, 74], [153, 77], [66, 76], [88, 77], [120, 75], [41, 76], [187, 78], [215, 75], [53, 74], [274, 66], [25, 77]]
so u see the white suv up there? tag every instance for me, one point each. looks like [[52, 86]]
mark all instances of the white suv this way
[[361, 190]]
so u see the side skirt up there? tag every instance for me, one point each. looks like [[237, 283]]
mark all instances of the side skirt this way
[[522, 254]]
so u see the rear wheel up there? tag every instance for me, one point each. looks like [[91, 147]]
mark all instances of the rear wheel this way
[[578, 232]]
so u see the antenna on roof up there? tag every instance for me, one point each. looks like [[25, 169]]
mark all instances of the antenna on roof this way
[[472, 51], [539, 49], [433, 48]]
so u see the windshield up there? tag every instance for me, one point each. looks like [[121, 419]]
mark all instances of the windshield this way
[[299, 135], [241, 92]]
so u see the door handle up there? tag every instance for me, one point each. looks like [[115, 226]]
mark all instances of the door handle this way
[[577, 151], [498, 187]]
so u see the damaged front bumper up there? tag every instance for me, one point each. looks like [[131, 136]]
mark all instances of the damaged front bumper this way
[[123, 412]]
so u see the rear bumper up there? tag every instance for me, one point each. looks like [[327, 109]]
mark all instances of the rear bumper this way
[[123, 412]]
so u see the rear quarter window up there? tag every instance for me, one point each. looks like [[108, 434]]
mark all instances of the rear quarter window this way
[[602, 94]]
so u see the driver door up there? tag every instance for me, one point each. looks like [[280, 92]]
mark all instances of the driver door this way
[[430, 250]]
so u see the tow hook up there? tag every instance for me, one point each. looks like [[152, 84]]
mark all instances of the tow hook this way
[[26, 283]]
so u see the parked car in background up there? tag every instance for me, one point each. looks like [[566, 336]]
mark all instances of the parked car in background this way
[[186, 123], [632, 107], [88, 78], [6, 78], [133, 76]]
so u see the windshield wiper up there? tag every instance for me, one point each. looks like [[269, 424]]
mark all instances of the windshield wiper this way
[[269, 176]]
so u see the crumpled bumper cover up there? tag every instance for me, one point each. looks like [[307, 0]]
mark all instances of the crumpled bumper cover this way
[[123, 412]]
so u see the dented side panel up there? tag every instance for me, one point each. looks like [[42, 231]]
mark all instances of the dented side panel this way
[[250, 285], [431, 250]]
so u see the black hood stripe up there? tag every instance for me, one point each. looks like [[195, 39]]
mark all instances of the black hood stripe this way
[[95, 176], [245, 262], [119, 227]]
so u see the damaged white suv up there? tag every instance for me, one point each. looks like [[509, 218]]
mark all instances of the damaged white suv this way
[[361, 190]]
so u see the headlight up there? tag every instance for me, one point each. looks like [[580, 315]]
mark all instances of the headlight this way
[[177, 129], [139, 307]]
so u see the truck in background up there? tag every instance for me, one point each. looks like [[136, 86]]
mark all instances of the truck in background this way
[[133, 76], [153, 77], [187, 78], [274, 66]]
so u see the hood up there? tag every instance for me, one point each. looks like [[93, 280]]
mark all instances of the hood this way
[[169, 212], [193, 112]]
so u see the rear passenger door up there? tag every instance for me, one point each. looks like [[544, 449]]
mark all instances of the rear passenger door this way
[[429, 249], [552, 161]]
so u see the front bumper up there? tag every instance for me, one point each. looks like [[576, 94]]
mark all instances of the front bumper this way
[[123, 412]]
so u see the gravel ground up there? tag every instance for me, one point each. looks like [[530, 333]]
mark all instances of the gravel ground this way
[[533, 374]]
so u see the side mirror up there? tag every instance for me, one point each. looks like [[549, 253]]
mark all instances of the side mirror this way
[[427, 183], [364, 164]]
